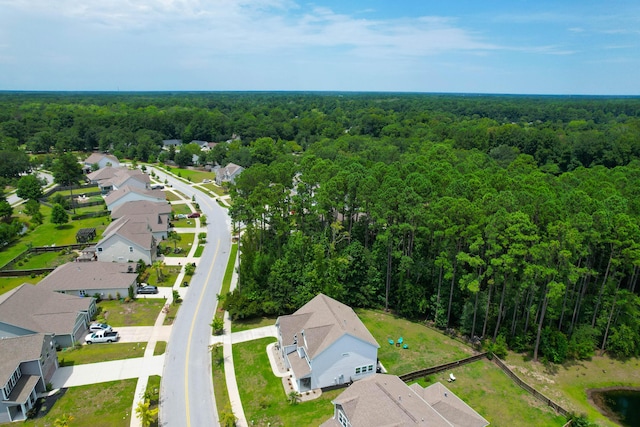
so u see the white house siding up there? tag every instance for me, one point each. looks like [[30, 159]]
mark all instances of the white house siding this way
[[104, 292], [104, 162], [116, 249], [133, 183], [342, 358]]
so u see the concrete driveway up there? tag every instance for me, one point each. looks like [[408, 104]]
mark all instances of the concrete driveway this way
[[143, 333]]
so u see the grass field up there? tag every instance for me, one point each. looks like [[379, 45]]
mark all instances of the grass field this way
[[488, 390], [427, 347], [95, 353], [113, 409], [47, 234], [256, 322], [219, 191], [219, 381], [180, 208], [184, 223], [173, 197], [169, 272], [185, 244], [45, 260], [141, 312], [193, 175], [262, 394], [160, 348], [8, 283], [567, 384]]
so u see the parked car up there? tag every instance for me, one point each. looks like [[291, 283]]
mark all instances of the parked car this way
[[194, 215], [95, 327], [102, 336], [147, 289], [206, 181]]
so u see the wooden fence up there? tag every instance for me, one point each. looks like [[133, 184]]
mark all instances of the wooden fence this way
[[424, 372], [23, 273], [535, 393], [38, 250]]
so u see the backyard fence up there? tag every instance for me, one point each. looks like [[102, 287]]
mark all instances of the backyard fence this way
[[37, 250], [23, 273], [424, 372], [535, 393]]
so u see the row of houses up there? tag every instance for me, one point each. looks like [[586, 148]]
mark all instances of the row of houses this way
[[324, 344]]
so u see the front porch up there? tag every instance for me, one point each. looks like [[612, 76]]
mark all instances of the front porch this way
[[289, 382]]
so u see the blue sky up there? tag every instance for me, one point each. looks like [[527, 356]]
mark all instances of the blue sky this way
[[516, 46]]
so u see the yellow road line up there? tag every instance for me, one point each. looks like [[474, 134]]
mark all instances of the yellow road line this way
[[193, 324]]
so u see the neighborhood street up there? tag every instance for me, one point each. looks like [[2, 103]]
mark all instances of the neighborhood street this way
[[186, 394]]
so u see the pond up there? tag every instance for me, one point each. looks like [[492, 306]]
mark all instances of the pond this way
[[621, 405]]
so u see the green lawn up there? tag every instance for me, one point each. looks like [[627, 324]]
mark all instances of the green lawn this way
[[219, 382], [102, 352], [567, 384], [141, 312], [45, 260], [8, 283], [219, 191], [173, 197], [169, 272], [185, 244], [160, 348], [181, 208], [199, 251], [77, 191], [113, 409], [496, 397], [153, 392], [262, 393], [256, 322], [427, 347], [184, 223], [193, 175], [47, 234], [94, 208]]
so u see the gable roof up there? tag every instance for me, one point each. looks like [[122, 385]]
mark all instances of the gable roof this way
[[167, 142], [385, 400], [89, 275], [138, 232], [117, 176], [116, 195], [323, 320], [138, 207], [40, 310], [96, 157], [16, 350], [450, 406]]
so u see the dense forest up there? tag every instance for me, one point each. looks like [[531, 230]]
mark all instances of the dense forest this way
[[510, 219]]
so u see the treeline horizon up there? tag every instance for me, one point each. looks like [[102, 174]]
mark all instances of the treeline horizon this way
[[514, 219]]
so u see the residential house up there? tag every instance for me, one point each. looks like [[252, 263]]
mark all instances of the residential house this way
[[385, 400], [102, 160], [228, 173], [156, 214], [110, 179], [29, 309], [130, 194], [324, 343], [27, 364], [204, 145], [166, 143], [107, 279], [127, 239]]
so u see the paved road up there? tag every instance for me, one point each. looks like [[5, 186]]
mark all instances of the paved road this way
[[186, 394]]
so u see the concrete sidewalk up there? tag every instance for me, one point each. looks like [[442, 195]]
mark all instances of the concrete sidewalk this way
[[249, 335], [92, 373]]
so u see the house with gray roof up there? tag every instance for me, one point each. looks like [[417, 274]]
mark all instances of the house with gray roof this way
[[166, 143], [228, 173], [324, 343], [109, 179], [155, 214], [29, 309], [385, 400], [108, 279], [128, 239], [130, 194], [27, 364], [102, 160]]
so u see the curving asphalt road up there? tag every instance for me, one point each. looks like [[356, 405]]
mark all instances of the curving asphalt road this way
[[186, 392]]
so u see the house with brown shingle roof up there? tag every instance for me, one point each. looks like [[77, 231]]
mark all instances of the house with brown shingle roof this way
[[128, 239], [108, 279], [102, 160], [155, 214], [385, 400], [109, 179], [29, 309], [324, 343], [130, 194], [27, 364]]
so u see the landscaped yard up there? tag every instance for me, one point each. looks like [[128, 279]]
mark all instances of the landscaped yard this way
[[256, 322], [262, 394], [8, 283], [491, 393], [181, 208], [427, 347], [46, 260], [169, 273], [171, 196], [193, 175], [567, 384], [97, 405], [184, 223], [141, 312], [95, 353], [184, 244]]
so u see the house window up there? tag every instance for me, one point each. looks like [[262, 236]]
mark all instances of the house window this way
[[370, 368], [342, 419], [130, 248], [82, 293], [357, 370], [99, 249]]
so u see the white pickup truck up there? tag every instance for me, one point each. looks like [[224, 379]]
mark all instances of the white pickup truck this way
[[102, 336]]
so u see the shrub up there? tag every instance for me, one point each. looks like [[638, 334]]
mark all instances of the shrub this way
[[499, 347], [554, 345], [582, 344]]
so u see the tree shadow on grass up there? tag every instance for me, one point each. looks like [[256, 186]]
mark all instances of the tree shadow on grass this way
[[64, 227], [44, 404]]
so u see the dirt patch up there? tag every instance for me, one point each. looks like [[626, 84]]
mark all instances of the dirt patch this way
[[44, 404]]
